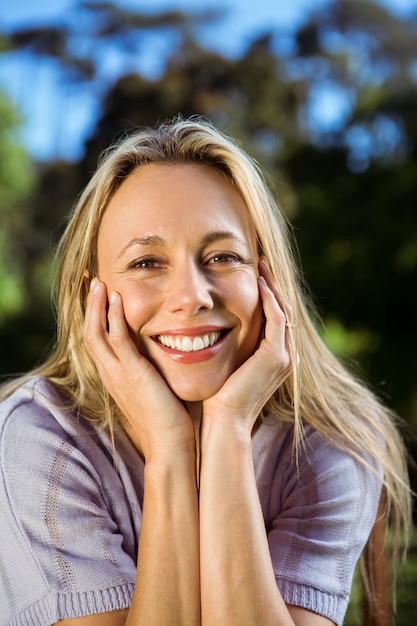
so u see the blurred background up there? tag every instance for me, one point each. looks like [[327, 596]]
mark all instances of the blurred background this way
[[322, 93]]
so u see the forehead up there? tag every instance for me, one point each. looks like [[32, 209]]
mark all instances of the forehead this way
[[175, 198]]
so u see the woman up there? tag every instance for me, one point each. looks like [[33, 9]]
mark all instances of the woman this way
[[190, 453]]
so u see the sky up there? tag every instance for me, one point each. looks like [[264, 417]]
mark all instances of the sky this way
[[246, 15], [40, 99]]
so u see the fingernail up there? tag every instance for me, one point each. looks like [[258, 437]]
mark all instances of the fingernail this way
[[94, 284], [113, 297]]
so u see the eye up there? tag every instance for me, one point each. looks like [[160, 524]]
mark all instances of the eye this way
[[223, 258], [145, 263]]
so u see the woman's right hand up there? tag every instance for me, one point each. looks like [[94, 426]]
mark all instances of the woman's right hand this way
[[155, 418], [167, 579]]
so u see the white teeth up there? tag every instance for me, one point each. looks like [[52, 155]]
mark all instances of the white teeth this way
[[198, 343], [189, 344]]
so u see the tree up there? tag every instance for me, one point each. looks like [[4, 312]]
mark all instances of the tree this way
[[333, 120], [356, 184], [16, 183]]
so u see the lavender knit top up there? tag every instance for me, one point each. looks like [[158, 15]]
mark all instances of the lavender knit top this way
[[70, 520]]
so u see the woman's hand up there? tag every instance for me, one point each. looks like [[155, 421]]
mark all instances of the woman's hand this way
[[248, 389], [155, 418], [238, 586], [167, 580]]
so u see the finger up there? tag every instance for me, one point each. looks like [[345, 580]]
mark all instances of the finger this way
[[276, 329], [271, 307], [265, 271], [95, 322], [119, 337], [118, 331], [119, 334]]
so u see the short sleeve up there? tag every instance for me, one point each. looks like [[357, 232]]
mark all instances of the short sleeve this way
[[68, 540], [319, 517]]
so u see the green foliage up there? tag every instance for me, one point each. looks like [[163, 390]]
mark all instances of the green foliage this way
[[406, 600], [16, 176], [348, 342], [16, 183], [25, 261], [356, 236]]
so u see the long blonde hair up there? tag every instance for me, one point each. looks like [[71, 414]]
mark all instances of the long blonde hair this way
[[320, 392]]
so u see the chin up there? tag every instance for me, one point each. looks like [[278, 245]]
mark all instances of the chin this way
[[196, 392], [194, 396]]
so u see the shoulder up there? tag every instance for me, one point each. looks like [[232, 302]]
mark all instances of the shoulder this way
[[319, 509], [38, 417], [49, 450], [28, 425], [69, 520], [318, 462], [39, 439], [35, 402], [45, 440]]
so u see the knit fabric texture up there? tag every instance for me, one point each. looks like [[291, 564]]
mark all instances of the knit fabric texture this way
[[70, 513]]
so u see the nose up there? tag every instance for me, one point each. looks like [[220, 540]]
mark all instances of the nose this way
[[190, 291]]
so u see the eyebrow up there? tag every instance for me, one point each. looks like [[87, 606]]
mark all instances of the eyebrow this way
[[156, 240], [147, 240], [216, 235]]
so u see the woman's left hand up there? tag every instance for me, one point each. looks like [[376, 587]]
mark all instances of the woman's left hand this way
[[248, 389]]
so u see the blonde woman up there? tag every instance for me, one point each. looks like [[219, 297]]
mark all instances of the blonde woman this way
[[190, 453]]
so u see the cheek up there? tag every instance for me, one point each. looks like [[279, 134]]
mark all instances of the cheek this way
[[138, 306]]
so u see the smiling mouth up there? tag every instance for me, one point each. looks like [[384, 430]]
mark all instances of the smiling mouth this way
[[189, 344]]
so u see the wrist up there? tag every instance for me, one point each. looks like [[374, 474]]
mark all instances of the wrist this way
[[225, 434], [168, 454], [238, 421], [170, 470]]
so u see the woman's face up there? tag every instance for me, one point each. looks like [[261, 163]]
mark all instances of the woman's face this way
[[177, 243]]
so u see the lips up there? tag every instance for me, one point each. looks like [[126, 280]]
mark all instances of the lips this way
[[185, 343]]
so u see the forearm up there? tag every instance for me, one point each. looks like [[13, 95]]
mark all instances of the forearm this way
[[167, 588], [237, 580]]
